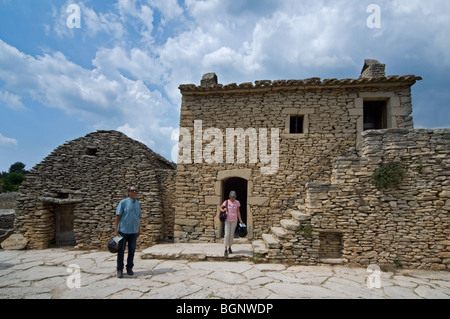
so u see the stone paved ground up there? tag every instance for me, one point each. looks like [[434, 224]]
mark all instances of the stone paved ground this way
[[49, 274]]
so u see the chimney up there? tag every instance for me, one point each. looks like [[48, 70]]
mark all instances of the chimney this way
[[208, 80], [373, 69]]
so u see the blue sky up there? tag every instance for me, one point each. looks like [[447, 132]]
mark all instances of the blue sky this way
[[121, 69]]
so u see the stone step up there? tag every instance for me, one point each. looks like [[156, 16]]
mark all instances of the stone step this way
[[299, 216], [197, 252], [271, 242], [290, 224], [332, 261], [279, 232], [259, 247]]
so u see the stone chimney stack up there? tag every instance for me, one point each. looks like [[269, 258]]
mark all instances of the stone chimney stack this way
[[209, 79], [373, 69]]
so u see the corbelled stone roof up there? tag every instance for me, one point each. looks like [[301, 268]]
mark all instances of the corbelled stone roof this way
[[107, 146]]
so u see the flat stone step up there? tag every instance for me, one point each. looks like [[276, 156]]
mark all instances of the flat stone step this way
[[279, 232], [301, 217], [271, 242], [197, 251], [290, 224], [332, 261], [259, 247]]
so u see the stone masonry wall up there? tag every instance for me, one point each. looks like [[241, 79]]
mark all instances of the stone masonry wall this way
[[333, 114], [408, 226]]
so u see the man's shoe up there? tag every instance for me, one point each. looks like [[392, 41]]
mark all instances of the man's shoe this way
[[230, 251], [130, 272], [226, 253], [119, 273]]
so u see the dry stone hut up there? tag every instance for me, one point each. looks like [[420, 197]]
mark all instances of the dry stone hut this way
[[69, 199], [301, 155]]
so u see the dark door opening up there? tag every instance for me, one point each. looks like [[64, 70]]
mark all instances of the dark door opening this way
[[64, 222], [239, 185], [375, 115]]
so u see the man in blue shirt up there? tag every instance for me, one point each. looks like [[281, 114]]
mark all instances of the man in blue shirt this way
[[128, 215]]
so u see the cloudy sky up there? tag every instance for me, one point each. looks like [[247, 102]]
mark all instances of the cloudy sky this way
[[120, 70]]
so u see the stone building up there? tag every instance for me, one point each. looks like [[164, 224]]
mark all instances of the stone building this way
[[69, 199], [300, 154]]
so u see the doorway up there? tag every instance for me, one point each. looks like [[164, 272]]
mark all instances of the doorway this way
[[239, 185], [64, 224]]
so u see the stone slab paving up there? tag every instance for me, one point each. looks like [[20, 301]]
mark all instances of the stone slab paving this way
[[56, 273]]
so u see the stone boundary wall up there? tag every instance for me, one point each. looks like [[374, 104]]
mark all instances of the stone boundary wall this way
[[408, 226], [8, 200]]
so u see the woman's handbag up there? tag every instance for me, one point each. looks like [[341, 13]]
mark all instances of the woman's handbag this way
[[242, 230], [223, 215]]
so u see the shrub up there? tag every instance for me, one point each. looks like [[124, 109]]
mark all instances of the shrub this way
[[389, 175]]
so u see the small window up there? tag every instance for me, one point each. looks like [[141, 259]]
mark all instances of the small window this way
[[296, 124], [62, 195], [375, 115], [91, 151]]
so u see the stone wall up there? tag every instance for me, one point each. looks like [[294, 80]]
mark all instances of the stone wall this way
[[8, 200], [89, 176], [333, 120], [7, 214], [407, 226]]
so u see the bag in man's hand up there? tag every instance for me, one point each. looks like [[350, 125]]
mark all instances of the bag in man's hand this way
[[115, 244]]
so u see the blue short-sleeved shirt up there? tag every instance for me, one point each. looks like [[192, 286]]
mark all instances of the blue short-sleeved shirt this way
[[130, 210]]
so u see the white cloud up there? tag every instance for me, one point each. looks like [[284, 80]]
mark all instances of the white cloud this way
[[92, 23], [7, 141], [110, 101], [420, 27], [169, 9], [135, 62], [11, 101], [140, 16]]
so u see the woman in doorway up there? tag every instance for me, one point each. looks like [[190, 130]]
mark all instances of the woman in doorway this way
[[231, 206]]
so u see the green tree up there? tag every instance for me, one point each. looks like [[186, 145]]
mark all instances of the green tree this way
[[12, 180], [17, 167]]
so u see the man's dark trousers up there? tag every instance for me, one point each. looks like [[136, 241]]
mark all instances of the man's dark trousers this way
[[129, 239]]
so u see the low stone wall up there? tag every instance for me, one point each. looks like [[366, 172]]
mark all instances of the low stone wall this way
[[7, 217], [406, 226], [8, 203], [8, 200]]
